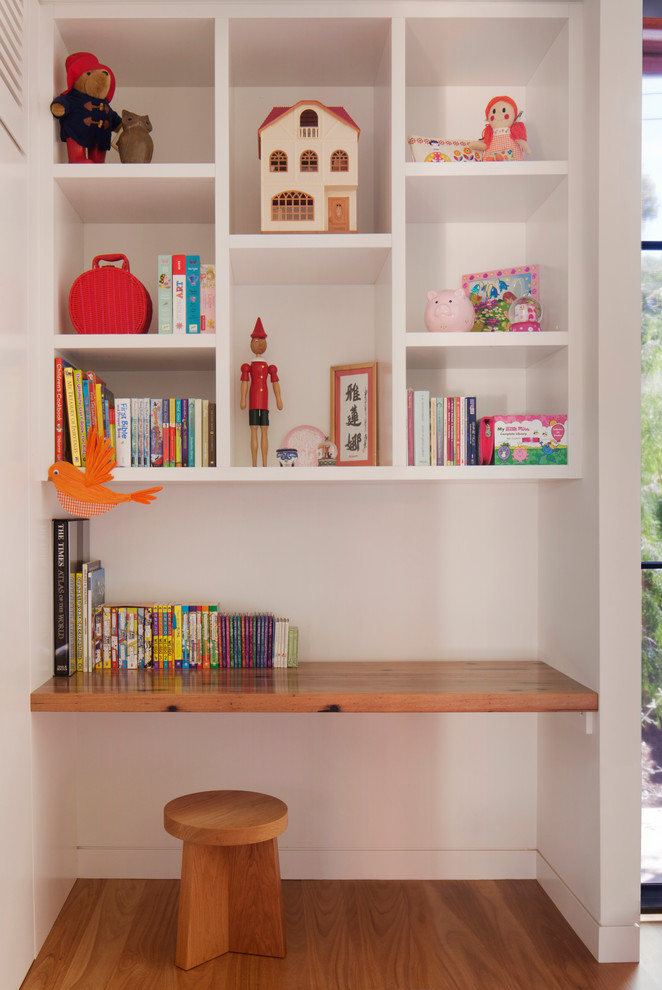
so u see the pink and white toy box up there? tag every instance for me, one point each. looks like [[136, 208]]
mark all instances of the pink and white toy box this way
[[531, 440], [440, 150]]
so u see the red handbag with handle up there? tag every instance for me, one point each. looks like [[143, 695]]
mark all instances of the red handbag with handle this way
[[109, 300]]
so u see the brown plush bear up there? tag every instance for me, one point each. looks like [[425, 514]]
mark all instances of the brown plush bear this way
[[86, 118]]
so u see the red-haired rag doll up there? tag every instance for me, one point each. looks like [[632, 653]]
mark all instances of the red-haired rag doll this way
[[504, 135]]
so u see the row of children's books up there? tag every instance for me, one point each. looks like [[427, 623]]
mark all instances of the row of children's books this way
[[165, 432], [82, 400], [186, 294], [441, 430], [90, 633], [173, 636]]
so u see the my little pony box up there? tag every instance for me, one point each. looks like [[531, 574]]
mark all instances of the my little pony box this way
[[427, 149], [530, 439]]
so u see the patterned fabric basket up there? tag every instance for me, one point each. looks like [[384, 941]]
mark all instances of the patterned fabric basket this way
[[109, 300]]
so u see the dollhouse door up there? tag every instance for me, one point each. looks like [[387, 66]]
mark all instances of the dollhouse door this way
[[338, 214]]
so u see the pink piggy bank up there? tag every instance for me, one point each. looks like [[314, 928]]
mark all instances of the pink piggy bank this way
[[449, 311]]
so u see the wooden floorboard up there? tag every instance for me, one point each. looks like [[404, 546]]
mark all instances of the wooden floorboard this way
[[342, 935]]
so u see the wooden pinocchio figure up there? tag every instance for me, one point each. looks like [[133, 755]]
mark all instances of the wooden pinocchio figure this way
[[256, 374]]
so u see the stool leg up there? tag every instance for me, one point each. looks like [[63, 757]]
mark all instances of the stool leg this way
[[202, 925], [256, 919]]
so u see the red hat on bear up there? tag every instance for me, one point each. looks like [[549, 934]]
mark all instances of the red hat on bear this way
[[81, 62]]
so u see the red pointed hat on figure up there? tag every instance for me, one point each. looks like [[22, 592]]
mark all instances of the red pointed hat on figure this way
[[258, 330], [81, 62]]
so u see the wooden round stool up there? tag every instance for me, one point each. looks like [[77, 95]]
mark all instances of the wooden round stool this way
[[230, 897]]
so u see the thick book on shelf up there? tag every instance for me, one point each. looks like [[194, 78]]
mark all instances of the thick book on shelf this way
[[70, 551]]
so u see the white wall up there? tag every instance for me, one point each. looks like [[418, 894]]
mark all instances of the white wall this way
[[589, 785], [16, 895], [367, 572]]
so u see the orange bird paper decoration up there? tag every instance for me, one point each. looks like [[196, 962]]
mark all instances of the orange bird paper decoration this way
[[83, 492]]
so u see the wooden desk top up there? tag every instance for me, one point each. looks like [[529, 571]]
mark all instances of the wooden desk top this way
[[344, 686]]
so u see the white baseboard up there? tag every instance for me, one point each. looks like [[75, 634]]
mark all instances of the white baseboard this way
[[329, 864], [608, 943]]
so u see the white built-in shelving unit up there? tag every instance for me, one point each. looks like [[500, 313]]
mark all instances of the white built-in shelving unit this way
[[330, 299]]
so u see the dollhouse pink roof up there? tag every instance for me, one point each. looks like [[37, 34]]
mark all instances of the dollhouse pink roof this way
[[277, 112]]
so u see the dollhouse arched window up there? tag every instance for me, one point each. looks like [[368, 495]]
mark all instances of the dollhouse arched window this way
[[292, 206], [309, 161], [278, 161], [340, 161], [308, 124]]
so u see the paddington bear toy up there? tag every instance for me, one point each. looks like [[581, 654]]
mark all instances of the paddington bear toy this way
[[86, 118]]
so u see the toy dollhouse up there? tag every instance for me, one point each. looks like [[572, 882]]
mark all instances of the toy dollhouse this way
[[309, 168]]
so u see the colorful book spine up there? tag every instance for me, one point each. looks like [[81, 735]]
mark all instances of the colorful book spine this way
[[186, 648], [212, 434], [472, 434], [198, 433], [97, 647], [93, 381], [205, 433], [87, 406], [410, 427], [193, 293], [207, 298], [72, 416], [96, 593], [78, 612], [106, 637], [184, 432], [123, 432], [135, 432], [145, 421], [114, 639], [178, 432], [433, 429], [177, 636], [172, 433], [165, 424], [121, 638], [179, 293], [80, 413], [293, 647], [164, 298], [439, 449], [191, 432], [156, 433], [132, 637], [421, 428], [62, 441], [108, 404], [148, 635]]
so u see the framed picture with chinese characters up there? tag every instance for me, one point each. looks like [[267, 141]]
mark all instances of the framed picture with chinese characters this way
[[354, 413]]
